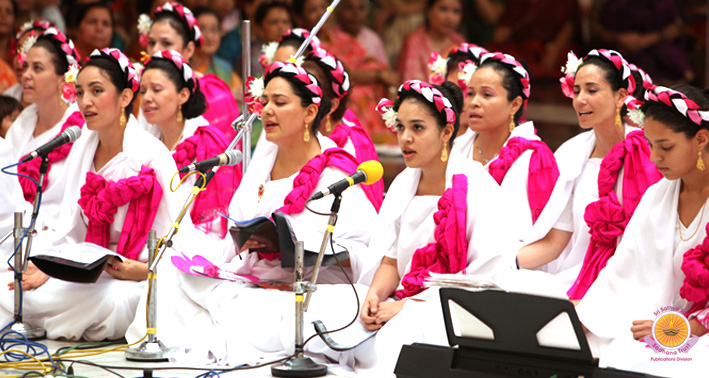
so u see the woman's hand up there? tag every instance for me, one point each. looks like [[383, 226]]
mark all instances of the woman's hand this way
[[641, 328], [387, 310], [369, 312], [251, 244], [31, 279], [127, 269]]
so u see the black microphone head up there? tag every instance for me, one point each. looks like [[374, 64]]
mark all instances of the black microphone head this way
[[73, 132], [233, 157]]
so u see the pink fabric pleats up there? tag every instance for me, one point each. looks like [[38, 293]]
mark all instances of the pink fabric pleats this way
[[221, 105], [695, 266], [100, 199], [449, 253]]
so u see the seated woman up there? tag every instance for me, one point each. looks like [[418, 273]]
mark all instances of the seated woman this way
[[665, 244], [513, 154], [174, 27], [171, 100], [598, 203], [116, 191], [440, 215], [347, 132], [52, 111], [299, 162]]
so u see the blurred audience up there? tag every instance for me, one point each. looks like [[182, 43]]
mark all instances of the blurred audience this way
[[91, 27], [481, 18], [395, 20], [351, 16]]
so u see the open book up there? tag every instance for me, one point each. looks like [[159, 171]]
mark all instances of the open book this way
[[80, 262]]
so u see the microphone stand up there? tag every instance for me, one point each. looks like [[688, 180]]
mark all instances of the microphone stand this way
[[299, 365], [151, 349], [246, 72], [20, 329]]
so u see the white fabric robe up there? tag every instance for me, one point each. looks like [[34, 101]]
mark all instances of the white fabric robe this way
[[208, 316], [643, 276], [23, 142], [11, 199], [105, 309]]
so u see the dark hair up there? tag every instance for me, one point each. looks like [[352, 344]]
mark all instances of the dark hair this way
[[8, 105], [318, 71], [196, 104], [672, 118], [61, 64], [293, 40], [78, 14], [266, 7], [115, 74], [298, 6], [450, 91], [177, 23], [207, 10], [510, 81], [305, 97], [610, 73]]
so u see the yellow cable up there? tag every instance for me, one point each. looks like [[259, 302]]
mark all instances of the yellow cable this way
[[204, 179]]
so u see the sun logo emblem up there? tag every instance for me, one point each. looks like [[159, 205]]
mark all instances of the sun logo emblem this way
[[671, 330]]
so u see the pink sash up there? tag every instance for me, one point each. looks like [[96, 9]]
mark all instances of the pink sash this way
[[306, 181], [221, 105], [606, 218], [207, 142], [364, 151], [449, 254], [100, 200], [696, 270], [31, 168], [542, 174]]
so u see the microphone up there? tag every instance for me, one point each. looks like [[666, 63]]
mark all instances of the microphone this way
[[69, 135], [231, 157], [367, 173]]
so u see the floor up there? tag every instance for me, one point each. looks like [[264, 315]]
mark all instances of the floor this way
[[116, 365]]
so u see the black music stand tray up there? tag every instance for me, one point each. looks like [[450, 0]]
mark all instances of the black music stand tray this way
[[496, 334]]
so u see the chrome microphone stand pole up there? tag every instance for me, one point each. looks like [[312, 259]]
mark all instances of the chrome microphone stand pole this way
[[316, 29], [246, 72]]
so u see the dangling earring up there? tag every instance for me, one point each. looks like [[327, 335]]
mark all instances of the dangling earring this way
[[618, 120], [444, 153], [328, 125], [700, 162], [306, 135], [122, 119], [179, 114], [512, 123], [61, 99]]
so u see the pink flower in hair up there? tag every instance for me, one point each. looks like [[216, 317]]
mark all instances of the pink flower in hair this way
[[385, 107], [69, 92], [253, 94], [567, 85], [438, 67]]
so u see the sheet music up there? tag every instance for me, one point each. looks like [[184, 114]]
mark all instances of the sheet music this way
[[82, 253]]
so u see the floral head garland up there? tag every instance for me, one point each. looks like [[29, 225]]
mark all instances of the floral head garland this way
[[677, 101], [389, 109], [516, 67], [182, 12], [144, 25], [334, 70], [438, 66], [294, 73], [66, 46], [573, 63], [268, 51], [129, 72], [182, 65], [34, 28]]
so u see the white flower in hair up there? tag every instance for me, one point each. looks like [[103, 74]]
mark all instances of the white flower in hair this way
[[269, 51], [467, 72], [256, 88], [299, 60], [29, 42], [438, 66], [144, 24], [637, 116], [71, 73], [389, 118], [26, 26], [572, 63]]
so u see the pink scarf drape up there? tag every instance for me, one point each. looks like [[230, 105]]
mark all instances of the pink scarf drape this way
[[306, 181], [364, 151], [542, 174], [696, 270], [607, 218], [221, 105], [31, 168], [449, 253], [100, 200], [207, 142]]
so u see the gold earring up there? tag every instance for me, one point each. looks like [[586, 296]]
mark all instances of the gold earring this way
[[61, 98], [700, 162], [512, 123], [179, 114], [122, 120], [306, 135], [328, 125], [618, 120], [444, 153]]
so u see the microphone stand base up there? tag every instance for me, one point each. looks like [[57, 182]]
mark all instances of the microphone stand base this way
[[28, 331], [151, 351], [299, 367]]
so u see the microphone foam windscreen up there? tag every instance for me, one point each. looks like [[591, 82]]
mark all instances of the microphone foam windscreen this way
[[373, 169]]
